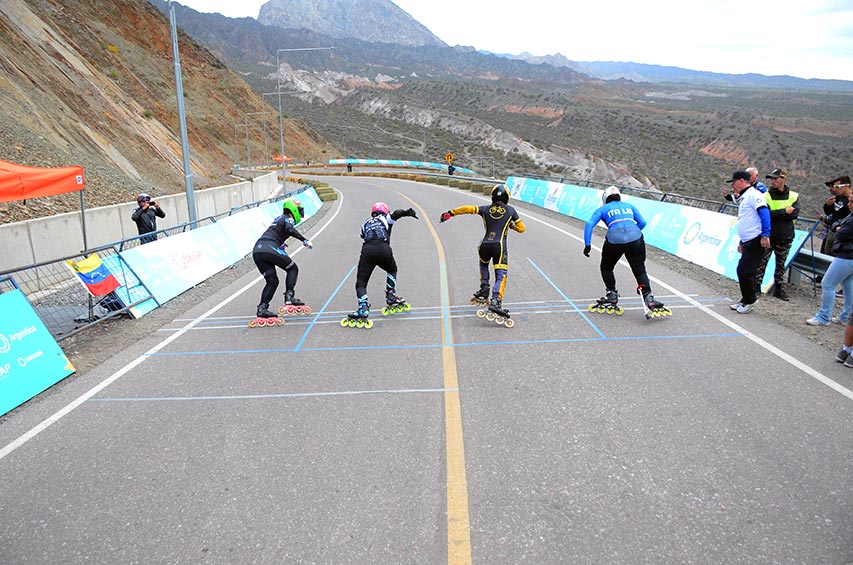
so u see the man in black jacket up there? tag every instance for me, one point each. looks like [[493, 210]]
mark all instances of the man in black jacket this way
[[834, 210], [146, 217], [784, 208]]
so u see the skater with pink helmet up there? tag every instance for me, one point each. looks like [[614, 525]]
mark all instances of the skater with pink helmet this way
[[376, 252]]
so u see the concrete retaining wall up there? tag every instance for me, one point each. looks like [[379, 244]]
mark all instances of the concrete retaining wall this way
[[46, 239]]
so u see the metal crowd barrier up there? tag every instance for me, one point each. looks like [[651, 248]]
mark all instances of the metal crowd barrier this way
[[60, 298]]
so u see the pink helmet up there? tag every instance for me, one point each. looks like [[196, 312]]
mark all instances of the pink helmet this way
[[379, 208]]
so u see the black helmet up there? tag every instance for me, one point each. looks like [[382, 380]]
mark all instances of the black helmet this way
[[500, 193]]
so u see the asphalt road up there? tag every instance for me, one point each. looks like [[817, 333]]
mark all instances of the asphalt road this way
[[435, 436]]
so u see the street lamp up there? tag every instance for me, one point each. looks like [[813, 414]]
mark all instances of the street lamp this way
[[264, 122], [280, 115], [248, 151]]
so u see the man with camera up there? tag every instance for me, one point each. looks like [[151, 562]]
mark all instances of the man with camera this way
[[146, 217]]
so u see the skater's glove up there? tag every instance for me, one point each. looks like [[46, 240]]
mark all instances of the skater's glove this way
[[586, 250], [446, 216], [307, 243], [411, 213]]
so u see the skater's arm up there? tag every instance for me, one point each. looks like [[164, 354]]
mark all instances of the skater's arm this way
[[516, 224], [467, 209], [590, 225], [293, 232], [641, 221], [397, 214]]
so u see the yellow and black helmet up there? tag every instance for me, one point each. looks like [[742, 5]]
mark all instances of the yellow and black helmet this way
[[500, 193]]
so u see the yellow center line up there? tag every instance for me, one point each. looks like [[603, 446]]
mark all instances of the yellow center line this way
[[458, 525]]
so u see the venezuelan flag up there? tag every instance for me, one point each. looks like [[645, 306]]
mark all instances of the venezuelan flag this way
[[95, 276]]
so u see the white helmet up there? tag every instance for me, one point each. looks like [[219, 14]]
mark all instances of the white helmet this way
[[610, 191]]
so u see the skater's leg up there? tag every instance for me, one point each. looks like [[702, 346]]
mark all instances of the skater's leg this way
[[500, 282], [635, 253], [366, 264], [485, 260], [292, 274], [610, 255]]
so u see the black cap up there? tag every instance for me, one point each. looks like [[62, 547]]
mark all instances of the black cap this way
[[844, 179], [776, 173], [743, 175]]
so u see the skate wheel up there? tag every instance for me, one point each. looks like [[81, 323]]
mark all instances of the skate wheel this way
[[609, 310], [352, 323], [368, 324], [481, 314], [509, 323], [359, 324], [490, 316], [282, 310], [385, 311], [344, 322], [474, 300], [592, 307], [407, 307], [619, 310], [499, 320], [306, 310], [600, 309], [253, 323], [667, 312], [649, 316], [279, 322], [289, 309]]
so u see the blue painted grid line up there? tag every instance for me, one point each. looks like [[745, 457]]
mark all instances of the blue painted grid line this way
[[438, 345], [281, 395], [567, 299], [320, 313]]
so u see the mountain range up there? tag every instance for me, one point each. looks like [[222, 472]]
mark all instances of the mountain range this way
[[86, 85]]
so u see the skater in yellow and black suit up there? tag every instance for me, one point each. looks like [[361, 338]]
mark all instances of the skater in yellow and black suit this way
[[498, 218]]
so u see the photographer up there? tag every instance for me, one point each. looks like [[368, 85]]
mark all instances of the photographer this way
[[146, 217]]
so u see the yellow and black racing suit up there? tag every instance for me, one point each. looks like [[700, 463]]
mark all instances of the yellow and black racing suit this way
[[498, 219]]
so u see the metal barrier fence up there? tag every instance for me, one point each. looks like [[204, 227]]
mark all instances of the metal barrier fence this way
[[62, 300]]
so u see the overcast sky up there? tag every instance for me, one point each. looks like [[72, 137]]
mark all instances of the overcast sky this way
[[803, 38]]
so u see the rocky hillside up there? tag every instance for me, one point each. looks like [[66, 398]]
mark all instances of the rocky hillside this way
[[84, 85], [375, 21]]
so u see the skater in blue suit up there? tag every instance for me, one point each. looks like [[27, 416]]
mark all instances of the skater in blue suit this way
[[624, 237]]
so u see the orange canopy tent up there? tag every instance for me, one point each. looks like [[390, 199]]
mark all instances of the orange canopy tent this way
[[277, 159], [18, 182]]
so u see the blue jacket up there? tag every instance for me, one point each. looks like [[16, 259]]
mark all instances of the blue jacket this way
[[623, 222]]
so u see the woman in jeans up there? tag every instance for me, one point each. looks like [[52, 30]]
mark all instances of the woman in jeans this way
[[840, 272]]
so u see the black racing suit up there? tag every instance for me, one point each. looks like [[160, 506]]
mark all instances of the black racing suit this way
[[269, 253], [376, 252], [498, 219]]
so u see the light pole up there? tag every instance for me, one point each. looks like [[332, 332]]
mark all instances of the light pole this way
[[248, 151], [182, 118], [264, 122], [280, 115]]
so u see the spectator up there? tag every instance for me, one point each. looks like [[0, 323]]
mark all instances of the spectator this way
[[835, 209], [753, 180], [451, 169], [753, 227], [784, 207], [840, 271], [146, 216]]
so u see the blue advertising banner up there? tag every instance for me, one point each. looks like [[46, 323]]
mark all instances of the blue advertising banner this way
[[397, 163], [30, 359]]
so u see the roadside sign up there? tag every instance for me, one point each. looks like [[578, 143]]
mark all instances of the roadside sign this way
[[448, 157]]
